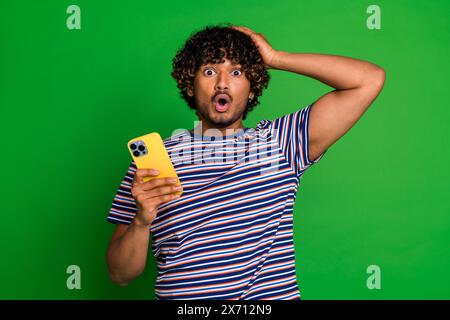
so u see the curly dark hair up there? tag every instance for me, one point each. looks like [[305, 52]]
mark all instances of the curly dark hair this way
[[211, 45]]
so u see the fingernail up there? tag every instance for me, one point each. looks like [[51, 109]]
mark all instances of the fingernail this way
[[155, 171]]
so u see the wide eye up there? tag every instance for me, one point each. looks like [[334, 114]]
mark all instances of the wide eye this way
[[208, 71], [237, 72]]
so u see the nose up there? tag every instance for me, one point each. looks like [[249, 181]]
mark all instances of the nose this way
[[222, 83]]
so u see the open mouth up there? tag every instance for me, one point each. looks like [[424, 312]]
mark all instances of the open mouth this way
[[222, 102]]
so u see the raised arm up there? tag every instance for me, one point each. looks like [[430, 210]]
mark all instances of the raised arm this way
[[357, 83]]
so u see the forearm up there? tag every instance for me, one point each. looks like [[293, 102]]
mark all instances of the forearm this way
[[127, 255], [336, 71]]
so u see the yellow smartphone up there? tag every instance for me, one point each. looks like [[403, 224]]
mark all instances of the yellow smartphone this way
[[148, 152]]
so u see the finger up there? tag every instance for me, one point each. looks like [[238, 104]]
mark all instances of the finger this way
[[168, 197], [147, 172], [141, 173], [155, 194], [245, 29], [252, 34], [157, 182], [136, 180], [163, 190], [145, 187], [156, 201]]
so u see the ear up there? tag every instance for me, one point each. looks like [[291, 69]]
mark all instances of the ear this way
[[189, 92], [250, 96]]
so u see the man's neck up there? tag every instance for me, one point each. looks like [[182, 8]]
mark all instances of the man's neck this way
[[205, 130]]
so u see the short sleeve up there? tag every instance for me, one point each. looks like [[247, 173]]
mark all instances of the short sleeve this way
[[293, 137], [123, 208]]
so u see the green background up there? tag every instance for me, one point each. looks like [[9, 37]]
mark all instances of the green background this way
[[70, 99]]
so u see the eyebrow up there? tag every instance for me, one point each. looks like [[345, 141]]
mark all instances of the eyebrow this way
[[232, 66]]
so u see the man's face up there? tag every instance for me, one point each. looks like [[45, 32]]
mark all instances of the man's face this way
[[214, 109]]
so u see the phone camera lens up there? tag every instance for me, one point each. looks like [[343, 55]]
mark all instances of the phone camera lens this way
[[132, 146], [141, 148], [136, 153]]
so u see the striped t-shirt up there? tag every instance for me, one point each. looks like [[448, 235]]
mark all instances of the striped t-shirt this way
[[230, 235]]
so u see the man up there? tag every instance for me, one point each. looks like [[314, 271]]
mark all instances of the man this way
[[230, 234]]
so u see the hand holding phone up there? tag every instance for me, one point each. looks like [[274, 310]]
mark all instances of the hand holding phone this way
[[150, 188], [149, 195], [149, 152]]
